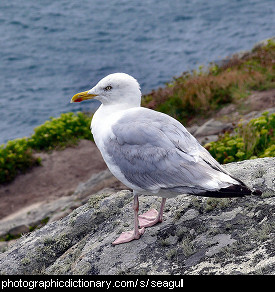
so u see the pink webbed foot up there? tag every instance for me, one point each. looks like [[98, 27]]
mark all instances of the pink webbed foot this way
[[152, 217], [128, 236], [149, 218]]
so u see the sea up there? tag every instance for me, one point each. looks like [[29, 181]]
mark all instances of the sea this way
[[50, 50]]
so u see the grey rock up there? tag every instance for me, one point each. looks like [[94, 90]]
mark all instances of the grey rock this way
[[38, 213], [20, 229], [190, 214], [85, 188], [218, 242], [192, 129], [212, 127], [207, 139], [236, 236]]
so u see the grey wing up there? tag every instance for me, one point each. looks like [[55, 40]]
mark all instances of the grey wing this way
[[154, 151]]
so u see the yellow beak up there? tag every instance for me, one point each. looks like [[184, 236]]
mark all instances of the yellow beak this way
[[82, 96]]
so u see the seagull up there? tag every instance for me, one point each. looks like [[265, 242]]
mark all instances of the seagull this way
[[151, 152]]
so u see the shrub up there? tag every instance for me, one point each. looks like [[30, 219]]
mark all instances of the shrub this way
[[269, 152], [60, 132], [255, 139], [17, 155]]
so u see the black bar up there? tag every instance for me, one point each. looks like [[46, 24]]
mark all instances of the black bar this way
[[107, 282]]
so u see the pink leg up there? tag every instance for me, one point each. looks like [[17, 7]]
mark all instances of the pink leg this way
[[152, 216], [133, 234]]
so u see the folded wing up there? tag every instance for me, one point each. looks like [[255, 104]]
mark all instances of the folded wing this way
[[154, 151]]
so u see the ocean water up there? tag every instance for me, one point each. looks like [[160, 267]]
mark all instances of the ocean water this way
[[50, 50]]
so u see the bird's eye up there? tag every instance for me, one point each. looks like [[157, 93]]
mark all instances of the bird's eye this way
[[107, 88]]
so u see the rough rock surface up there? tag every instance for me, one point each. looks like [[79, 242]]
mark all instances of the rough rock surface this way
[[40, 213], [198, 235]]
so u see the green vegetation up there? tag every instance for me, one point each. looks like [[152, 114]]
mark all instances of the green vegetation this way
[[255, 139], [200, 92], [188, 247], [216, 203], [61, 132], [17, 155]]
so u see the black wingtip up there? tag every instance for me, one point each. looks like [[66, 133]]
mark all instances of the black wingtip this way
[[231, 192], [252, 192], [257, 193]]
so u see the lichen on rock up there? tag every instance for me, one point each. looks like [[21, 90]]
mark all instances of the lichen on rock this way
[[232, 237]]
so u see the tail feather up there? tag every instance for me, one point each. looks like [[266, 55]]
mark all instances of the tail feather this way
[[231, 192]]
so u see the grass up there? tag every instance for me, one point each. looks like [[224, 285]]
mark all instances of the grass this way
[[200, 92]]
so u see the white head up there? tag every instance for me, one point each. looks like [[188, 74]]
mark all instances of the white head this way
[[116, 88]]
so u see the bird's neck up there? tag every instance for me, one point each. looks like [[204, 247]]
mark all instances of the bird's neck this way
[[106, 116], [106, 110]]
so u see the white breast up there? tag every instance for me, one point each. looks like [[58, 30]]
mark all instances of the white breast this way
[[101, 126]]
